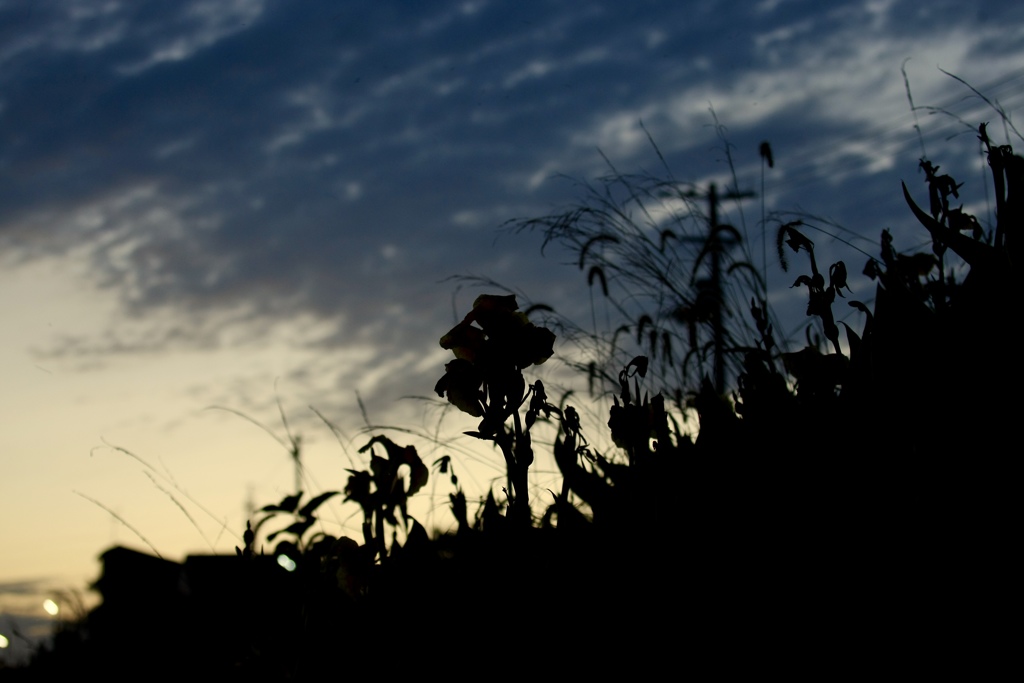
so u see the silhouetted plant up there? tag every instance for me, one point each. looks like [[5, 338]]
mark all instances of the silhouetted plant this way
[[303, 518], [381, 491], [493, 344], [837, 483], [674, 277]]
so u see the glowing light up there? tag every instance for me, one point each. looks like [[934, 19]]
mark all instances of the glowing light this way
[[51, 607], [4, 642], [286, 562]]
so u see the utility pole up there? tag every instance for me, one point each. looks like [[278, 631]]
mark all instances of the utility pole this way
[[716, 246], [296, 452]]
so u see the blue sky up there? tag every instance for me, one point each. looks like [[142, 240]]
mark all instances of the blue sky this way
[[227, 202]]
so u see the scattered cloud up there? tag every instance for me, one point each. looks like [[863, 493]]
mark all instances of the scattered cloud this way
[[232, 168]]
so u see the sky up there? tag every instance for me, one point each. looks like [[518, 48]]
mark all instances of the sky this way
[[215, 210]]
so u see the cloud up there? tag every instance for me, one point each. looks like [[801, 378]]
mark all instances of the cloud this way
[[253, 163]]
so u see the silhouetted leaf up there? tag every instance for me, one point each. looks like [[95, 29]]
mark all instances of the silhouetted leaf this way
[[860, 306], [459, 509], [872, 269], [287, 504], [310, 507], [971, 251], [803, 280], [794, 238], [640, 363], [297, 528], [854, 341], [837, 277], [358, 489], [462, 383]]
